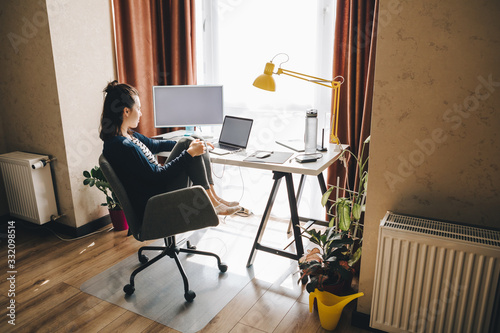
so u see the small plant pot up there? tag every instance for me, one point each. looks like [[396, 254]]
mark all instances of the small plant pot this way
[[118, 219], [342, 288]]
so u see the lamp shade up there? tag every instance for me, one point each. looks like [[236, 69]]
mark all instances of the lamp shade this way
[[266, 81]]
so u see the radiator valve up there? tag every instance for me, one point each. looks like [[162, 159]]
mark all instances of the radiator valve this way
[[56, 217], [42, 163]]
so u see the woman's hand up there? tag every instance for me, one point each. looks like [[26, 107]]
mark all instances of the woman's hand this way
[[196, 148]]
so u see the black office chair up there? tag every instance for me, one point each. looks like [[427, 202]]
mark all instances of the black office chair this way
[[166, 215]]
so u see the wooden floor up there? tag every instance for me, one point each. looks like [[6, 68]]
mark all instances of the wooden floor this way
[[50, 271]]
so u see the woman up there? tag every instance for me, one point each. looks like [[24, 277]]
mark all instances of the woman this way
[[132, 154]]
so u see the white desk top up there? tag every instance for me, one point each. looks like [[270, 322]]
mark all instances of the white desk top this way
[[291, 166]]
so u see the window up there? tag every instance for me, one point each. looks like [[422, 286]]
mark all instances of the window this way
[[237, 37]]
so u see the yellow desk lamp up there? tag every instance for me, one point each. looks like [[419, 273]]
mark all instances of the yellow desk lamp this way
[[266, 81]]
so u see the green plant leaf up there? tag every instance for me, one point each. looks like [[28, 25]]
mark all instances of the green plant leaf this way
[[96, 177], [103, 184], [314, 236], [344, 273], [341, 253], [355, 257], [344, 212], [332, 222], [339, 242], [356, 211], [99, 175], [326, 196], [331, 232]]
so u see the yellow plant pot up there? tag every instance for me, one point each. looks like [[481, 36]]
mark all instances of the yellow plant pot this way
[[330, 307]]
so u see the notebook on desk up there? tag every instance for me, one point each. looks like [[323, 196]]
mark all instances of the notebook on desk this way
[[234, 135]]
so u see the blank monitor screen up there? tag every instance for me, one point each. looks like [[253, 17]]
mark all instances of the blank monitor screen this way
[[193, 105]]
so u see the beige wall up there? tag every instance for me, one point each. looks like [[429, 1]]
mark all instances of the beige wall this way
[[30, 106], [82, 44], [435, 144], [4, 208], [56, 59]]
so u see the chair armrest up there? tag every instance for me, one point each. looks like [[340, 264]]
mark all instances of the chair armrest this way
[[176, 212]]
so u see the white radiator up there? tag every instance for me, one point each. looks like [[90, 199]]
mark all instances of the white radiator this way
[[30, 191], [433, 276]]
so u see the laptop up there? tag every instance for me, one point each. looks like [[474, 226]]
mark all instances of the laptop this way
[[234, 135]]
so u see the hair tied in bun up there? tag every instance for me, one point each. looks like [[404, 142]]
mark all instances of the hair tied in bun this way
[[111, 85]]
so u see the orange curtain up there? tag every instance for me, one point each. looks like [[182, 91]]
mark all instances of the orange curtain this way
[[155, 45], [354, 59]]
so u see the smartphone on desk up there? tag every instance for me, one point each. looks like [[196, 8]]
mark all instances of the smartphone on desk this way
[[306, 159]]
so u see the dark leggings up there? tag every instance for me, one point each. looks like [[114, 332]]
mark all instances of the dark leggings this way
[[199, 171]]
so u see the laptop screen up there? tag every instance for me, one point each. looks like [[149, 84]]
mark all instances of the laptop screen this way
[[236, 131]]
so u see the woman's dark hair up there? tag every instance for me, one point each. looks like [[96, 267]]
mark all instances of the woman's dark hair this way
[[118, 96]]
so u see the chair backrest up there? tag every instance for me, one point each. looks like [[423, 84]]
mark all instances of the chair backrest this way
[[132, 219]]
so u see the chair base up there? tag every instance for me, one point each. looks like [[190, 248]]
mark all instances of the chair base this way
[[170, 249]]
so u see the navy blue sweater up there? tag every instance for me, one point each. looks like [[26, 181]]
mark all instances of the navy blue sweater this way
[[141, 178]]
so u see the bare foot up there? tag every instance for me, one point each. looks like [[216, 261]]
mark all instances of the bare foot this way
[[225, 210]]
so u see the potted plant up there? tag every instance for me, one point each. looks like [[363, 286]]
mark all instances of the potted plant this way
[[96, 178], [331, 265], [328, 267]]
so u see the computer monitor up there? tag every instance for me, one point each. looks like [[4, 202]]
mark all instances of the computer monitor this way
[[188, 105]]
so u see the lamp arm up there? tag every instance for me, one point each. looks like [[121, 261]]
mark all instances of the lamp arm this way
[[335, 85], [308, 78]]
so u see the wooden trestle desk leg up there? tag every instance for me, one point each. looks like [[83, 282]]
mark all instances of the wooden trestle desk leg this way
[[300, 190], [277, 176], [322, 186]]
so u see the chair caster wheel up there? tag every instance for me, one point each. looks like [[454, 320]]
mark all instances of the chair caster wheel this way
[[129, 289], [143, 259], [189, 296], [223, 267], [189, 246]]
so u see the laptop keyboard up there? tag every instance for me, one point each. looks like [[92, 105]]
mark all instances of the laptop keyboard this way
[[226, 147]]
